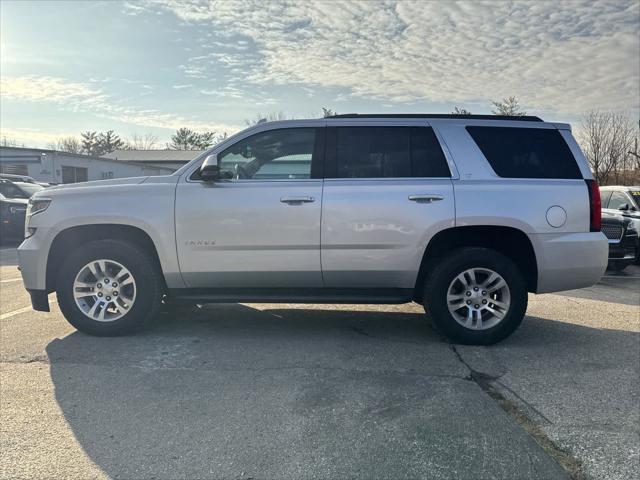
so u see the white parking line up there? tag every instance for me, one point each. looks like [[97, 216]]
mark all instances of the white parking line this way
[[11, 280], [13, 313]]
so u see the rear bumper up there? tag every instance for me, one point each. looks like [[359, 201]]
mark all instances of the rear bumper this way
[[569, 260]]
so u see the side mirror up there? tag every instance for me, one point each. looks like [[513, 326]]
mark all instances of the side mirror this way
[[210, 170], [624, 207]]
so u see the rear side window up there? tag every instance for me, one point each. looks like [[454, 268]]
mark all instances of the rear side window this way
[[604, 198], [384, 152], [526, 152], [618, 199]]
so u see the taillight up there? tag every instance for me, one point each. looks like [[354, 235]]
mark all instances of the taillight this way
[[595, 205]]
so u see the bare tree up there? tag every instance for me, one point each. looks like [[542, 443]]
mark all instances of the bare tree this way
[[460, 111], [328, 112], [138, 142], [607, 140], [8, 142], [261, 118], [508, 106], [635, 155], [66, 144]]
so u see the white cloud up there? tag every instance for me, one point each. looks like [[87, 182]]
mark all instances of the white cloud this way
[[31, 136], [82, 97], [563, 57]]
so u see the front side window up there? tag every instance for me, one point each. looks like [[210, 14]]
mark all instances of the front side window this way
[[516, 152], [385, 152], [271, 155]]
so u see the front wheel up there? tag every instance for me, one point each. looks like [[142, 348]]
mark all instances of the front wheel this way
[[476, 296], [109, 287]]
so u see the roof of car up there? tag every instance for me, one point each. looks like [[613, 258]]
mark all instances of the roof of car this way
[[620, 187], [521, 118]]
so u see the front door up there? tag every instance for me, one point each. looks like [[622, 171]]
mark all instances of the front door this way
[[259, 226]]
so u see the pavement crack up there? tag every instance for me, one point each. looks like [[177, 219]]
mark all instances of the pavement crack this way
[[487, 383], [35, 359]]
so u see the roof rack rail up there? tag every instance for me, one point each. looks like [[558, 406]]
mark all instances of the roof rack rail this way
[[521, 118]]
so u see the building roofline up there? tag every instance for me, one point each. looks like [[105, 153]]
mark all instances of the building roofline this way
[[90, 157]]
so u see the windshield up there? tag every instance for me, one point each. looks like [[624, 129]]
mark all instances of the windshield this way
[[636, 197], [19, 189], [29, 188]]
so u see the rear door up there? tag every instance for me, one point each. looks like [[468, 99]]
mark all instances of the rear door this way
[[387, 191]]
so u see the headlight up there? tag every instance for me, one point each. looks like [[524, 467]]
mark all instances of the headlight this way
[[37, 205]]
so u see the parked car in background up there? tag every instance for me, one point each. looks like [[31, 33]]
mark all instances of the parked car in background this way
[[625, 201], [14, 197], [22, 178], [623, 240], [464, 214]]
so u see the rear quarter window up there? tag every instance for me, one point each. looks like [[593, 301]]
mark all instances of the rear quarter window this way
[[515, 152]]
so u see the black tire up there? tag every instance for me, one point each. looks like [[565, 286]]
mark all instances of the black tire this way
[[617, 266], [448, 269], [149, 286]]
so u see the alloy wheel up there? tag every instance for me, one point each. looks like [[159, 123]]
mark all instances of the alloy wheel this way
[[478, 298], [104, 290]]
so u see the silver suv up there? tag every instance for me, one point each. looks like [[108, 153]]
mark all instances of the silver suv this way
[[463, 214]]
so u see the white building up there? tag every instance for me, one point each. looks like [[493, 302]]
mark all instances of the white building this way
[[61, 167], [173, 159]]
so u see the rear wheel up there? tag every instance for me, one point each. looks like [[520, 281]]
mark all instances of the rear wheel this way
[[109, 287], [476, 296]]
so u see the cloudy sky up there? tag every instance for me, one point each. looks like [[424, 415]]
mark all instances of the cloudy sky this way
[[151, 67]]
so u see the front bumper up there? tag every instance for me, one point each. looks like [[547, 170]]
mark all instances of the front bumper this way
[[626, 250], [32, 258], [567, 261], [12, 226]]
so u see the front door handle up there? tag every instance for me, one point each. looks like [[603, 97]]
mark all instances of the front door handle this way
[[426, 198], [297, 200]]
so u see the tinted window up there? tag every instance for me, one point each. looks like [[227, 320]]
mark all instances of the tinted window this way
[[526, 152], [271, 155], [617, 200], [379, 152]]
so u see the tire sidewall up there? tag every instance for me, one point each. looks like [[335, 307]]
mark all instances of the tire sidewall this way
[[456, 263], [131, 257]]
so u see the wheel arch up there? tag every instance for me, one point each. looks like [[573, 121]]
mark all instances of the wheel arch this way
[[511, 242], [68, 239]]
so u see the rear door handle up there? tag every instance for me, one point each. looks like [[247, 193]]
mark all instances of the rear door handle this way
[[295, 200], [426, 198]]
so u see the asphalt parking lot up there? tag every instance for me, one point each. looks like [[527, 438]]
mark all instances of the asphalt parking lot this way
[[322, 391]]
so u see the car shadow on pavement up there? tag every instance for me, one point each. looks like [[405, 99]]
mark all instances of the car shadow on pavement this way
[[233, 391]]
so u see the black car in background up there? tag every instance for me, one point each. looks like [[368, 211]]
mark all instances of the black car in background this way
[[623, 240], [14, 197]]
